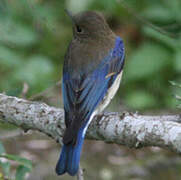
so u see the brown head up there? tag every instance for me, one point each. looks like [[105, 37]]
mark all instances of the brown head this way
[[89, 24]]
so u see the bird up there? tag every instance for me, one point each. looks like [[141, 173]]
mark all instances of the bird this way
[[92, 71]]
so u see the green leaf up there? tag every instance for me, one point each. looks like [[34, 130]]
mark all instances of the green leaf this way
[[15, 33], [140, 100], [177, 92], [78, 5], [2, 150], [1, 176], [5, 167], [147, 60], [173, 83], [23, 161], [174, 6], [36, 71], [9, 58], [158, 13], [177, 61], [178, 97], [21, 172], [45, 15], [170, 42]]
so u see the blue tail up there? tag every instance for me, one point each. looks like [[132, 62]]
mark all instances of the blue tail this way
[[70, 157]]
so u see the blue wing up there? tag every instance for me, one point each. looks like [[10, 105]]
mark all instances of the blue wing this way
[[83, 94]]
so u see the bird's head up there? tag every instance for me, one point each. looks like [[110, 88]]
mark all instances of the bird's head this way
[[88, 25]]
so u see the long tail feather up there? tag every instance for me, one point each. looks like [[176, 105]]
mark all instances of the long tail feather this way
[[70, 157]]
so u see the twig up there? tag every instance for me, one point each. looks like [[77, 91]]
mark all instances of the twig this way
[[36, 96], [24, 90]]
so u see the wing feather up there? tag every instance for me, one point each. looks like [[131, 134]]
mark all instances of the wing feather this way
[[82, 95]]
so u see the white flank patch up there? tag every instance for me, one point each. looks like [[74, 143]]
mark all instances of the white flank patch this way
[[85, 129], [110, 94]]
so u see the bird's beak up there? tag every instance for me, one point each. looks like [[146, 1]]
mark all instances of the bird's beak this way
[[70, 14]]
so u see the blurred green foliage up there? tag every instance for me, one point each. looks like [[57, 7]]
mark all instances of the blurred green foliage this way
[[24, 165], [35, 35], [177, 96]]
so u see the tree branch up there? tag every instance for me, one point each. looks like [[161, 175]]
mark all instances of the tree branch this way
[[128, 129]]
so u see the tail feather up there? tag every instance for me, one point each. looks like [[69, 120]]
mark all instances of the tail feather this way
[[70, 157], [61, 165]]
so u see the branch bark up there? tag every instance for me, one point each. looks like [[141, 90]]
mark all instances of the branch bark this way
[[128, 129]]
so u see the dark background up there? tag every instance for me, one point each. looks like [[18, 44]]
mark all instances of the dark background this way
[[34, 35]]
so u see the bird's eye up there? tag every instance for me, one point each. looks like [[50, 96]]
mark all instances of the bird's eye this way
[[79, 30]]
